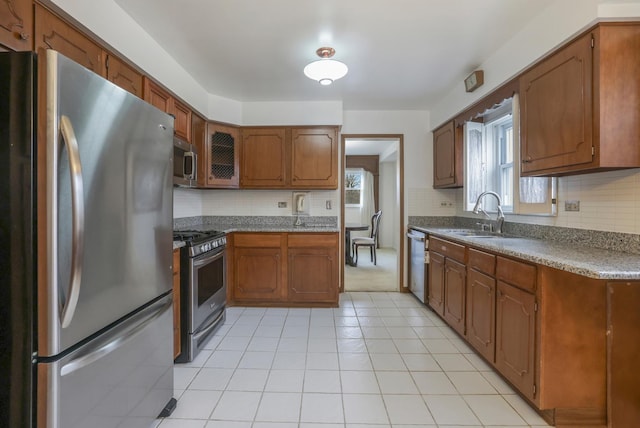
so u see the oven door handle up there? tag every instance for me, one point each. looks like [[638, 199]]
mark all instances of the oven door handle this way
[[208, 259], [208, 328]]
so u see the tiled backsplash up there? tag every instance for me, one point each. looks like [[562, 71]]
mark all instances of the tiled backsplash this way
[[213, 202], [609, 202]]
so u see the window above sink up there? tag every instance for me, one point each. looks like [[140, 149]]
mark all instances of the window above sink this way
[[492, 160]]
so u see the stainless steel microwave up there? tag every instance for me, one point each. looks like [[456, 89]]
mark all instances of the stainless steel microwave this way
[[184, 164]]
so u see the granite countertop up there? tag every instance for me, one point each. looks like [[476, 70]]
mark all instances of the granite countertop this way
[[582, 260], [178, 244]]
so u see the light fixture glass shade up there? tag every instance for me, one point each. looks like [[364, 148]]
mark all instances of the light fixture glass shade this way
[[326, 70]]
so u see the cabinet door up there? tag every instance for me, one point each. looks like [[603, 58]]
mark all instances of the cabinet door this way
[[124, 76], [199, 140], [314, 158], [623, 348], [515, 337], [222, 156], [455, 294], [436, 282], [182, 114], [157, 96], [481, 313], [313, 275], [447, 157], [53, 33], [556, 119], [258, 274], [263, 157], [16, 24], [176, 303]]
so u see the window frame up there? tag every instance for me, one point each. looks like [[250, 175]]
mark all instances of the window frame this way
[[359, 172], [493, 170]]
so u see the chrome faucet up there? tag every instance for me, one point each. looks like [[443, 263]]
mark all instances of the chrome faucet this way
[[478, 209]]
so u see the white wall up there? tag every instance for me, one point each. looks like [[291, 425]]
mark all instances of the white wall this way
[[389, 222], [108, 21], [608, 201], [560, 21], [292, 113]]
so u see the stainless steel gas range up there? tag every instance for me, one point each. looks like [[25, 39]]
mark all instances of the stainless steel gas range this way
[[203, 289]]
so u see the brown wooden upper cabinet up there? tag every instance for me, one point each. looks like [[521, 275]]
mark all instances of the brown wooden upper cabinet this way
[[53, 33], [578, 111], [221, 156], [16, 24], [263, 155], [299, 157], [314, 158], [160, 98], [447, 157], [199, 140], [122, 75]]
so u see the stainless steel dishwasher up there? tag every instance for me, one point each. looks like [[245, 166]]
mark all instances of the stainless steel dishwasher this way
[[418, 263]]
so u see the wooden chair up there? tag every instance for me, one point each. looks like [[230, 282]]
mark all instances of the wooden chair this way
[[371, 241]]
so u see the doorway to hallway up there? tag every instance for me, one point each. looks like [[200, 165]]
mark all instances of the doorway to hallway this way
[[377, 159]]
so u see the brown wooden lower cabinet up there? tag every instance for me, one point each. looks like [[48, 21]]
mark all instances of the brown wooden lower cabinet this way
[[176, 303], [515, 337], [313, 268], [436, 282], [258, 264], [481, 313], [544, 331], [623, 350], [455, 294], [284, 269]]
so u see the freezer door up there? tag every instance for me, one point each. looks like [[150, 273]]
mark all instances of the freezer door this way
[[109, 204], [123, 378]]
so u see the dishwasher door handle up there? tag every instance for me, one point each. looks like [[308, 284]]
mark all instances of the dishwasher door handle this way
[[415, 236]]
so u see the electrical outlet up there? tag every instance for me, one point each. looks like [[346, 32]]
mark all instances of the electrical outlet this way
[[282, 205], [327, 204], [572, 205]]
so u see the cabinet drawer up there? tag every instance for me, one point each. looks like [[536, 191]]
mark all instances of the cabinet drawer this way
[[521, 275], [449, 249], [309, 240], [482, 262], [257, 240]]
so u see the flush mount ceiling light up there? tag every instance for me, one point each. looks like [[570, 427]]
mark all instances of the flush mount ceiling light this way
[[325, 70]]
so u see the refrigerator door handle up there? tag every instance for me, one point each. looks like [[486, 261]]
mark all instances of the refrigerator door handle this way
[[120, 336], [77, 222]]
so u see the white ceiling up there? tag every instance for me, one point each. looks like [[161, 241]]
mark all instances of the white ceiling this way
[[387, 149], [402, 54]]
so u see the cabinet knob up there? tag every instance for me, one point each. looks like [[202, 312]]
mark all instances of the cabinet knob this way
[[24, 36], [527, 160]]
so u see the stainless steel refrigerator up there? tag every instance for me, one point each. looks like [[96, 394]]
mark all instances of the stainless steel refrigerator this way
[[85, 250]]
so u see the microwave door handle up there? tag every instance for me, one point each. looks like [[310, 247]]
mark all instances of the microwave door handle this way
[[77, 221], [189, 174]]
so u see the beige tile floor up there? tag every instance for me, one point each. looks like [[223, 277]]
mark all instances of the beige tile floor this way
[[379, 360]]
